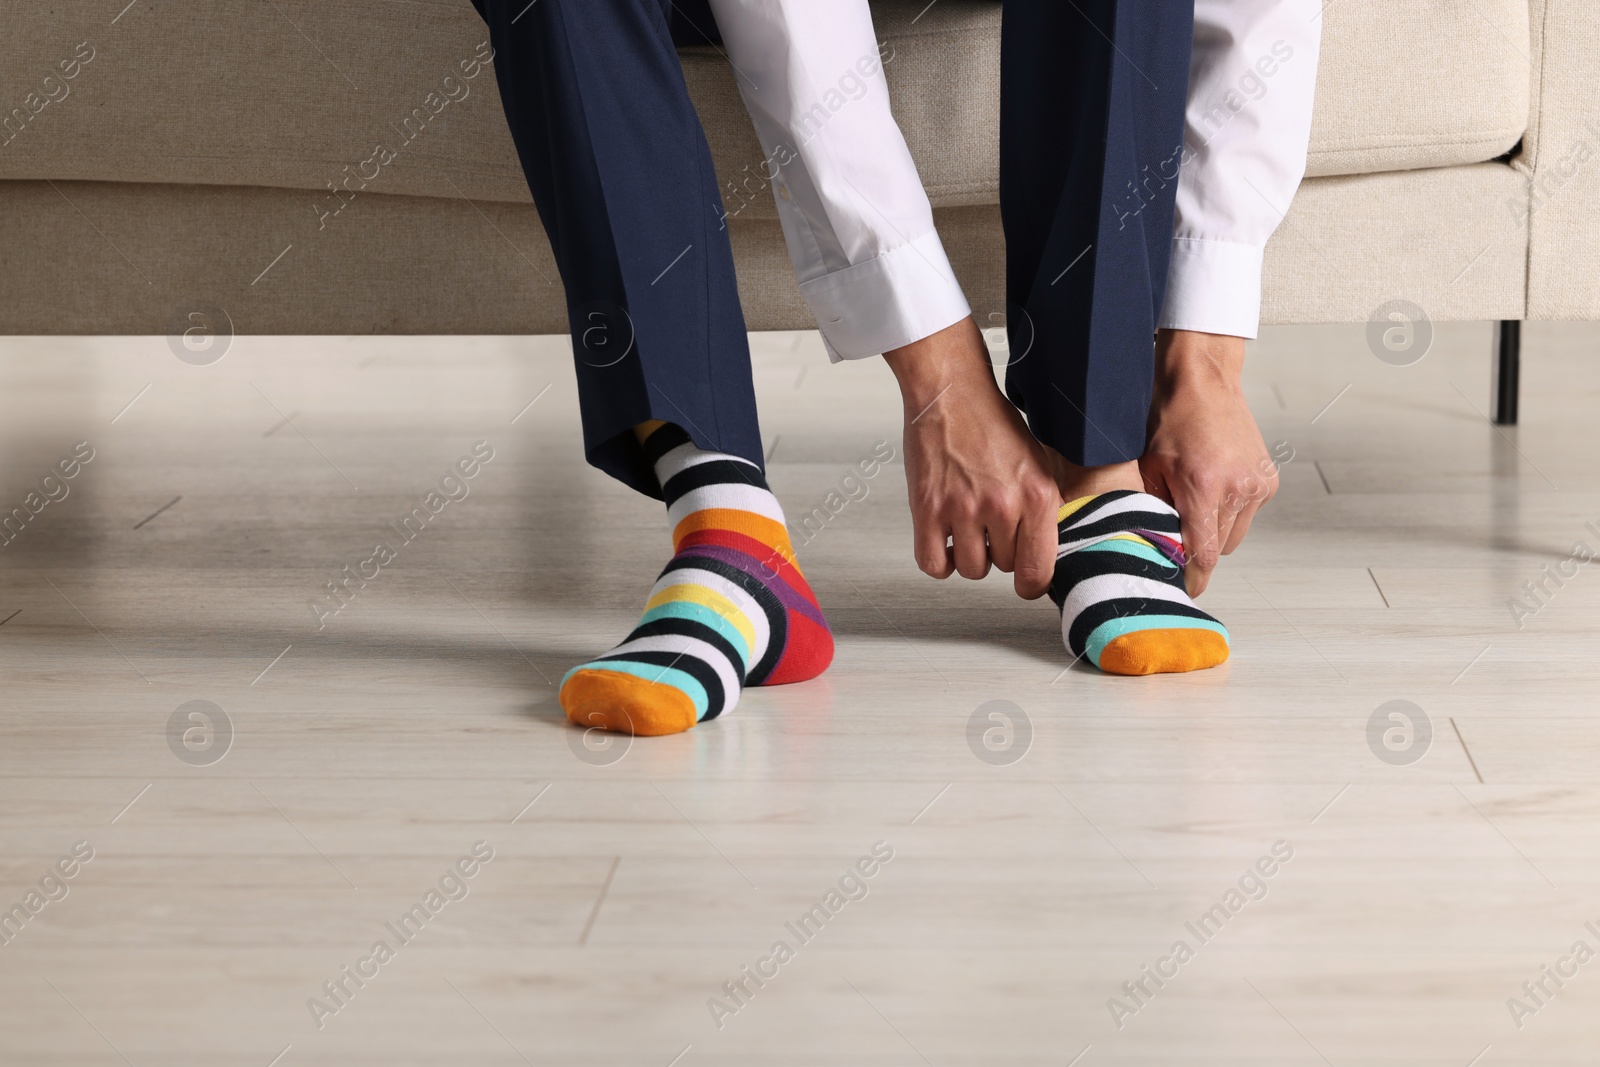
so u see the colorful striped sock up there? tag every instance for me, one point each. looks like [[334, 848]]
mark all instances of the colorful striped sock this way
[[1119, 585], [731, 608]]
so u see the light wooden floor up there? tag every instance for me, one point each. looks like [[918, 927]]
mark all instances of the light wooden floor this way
[[628, 885]]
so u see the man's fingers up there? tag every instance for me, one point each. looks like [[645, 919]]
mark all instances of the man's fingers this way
[[1037, 537], [1002, 547], [1155, 482], [1227, 515], [1200, 547], [971, 550], [1241, 526], [934, 557], [1255, 497]]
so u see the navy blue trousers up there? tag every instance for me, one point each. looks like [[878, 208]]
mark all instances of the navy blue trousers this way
[[1091, 134], [622, 177], [1092, 106]]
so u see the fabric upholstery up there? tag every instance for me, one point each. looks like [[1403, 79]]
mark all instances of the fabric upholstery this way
[[200, 139], [1562, 160], [424, 264], [1405, 84], [234, 92], [1434, 237], [1349, 245]]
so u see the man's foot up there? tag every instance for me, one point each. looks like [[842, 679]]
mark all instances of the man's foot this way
[[731, 608], [1074, 481], [1119, 584]]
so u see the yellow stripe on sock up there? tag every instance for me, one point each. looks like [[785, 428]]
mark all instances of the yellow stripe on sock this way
[[710, 598], [1073, 507]]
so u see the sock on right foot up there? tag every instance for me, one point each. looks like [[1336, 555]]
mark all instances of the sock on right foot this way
[[1119, 585]]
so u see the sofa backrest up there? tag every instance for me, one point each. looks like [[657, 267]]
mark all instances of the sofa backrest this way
[[300, 94]]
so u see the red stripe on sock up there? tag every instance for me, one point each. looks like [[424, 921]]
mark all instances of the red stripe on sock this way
[[807, 653], [809, 648]]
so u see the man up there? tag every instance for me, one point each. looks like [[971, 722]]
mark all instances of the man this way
[[619, 168]]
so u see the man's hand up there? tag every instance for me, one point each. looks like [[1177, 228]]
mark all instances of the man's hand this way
[[973, 471], [1205, 456]]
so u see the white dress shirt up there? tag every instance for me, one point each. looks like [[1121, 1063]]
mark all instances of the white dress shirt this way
[[859, 226], [1252, 79]]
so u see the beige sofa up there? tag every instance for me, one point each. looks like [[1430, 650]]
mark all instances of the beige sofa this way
[[182, 154]]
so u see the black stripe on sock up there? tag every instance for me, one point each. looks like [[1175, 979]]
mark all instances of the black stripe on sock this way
[[1094, 510], [663, 440], [696, 668], [1095, 615], [712, 472], [1091, 517], [777, 614], [1127, 522], [1081, 565], [677, 627]]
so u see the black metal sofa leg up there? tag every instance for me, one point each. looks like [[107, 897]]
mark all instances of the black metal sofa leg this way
[[1507, 371]]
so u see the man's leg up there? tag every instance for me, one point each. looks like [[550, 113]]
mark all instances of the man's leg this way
[[1091, 130], [622, 177]]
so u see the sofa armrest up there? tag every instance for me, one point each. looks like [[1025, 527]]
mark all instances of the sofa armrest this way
[[1561, 157]]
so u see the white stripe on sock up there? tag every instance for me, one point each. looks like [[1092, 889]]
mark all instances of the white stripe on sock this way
[[1139, 502], [1103, 587], [688, 455], [733, 495]]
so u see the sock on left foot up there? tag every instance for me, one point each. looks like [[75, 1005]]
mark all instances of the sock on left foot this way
[[1119, 585], [731, 609]]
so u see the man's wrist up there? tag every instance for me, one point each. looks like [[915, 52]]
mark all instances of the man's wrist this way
[[1188, 358], [927, 369]]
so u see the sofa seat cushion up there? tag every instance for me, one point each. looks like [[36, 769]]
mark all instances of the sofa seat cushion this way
[[1407, 84]]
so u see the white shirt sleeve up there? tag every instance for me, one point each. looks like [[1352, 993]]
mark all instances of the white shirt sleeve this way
[[1252, 80], [857, 221]]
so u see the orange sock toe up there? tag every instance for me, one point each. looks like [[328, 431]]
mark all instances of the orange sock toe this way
[[1163, 652], [626, 703]]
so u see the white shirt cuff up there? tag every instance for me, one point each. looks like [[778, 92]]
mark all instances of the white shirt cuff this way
[[885, 303], [1213, 287]]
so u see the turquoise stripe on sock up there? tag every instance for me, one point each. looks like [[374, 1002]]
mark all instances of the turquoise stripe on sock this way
[[651, 673], [1133, 548], [687, 609], [1109, 631]]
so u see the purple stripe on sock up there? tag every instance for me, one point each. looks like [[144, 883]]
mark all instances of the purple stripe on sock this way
[[791, 600], [1163, 544]]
